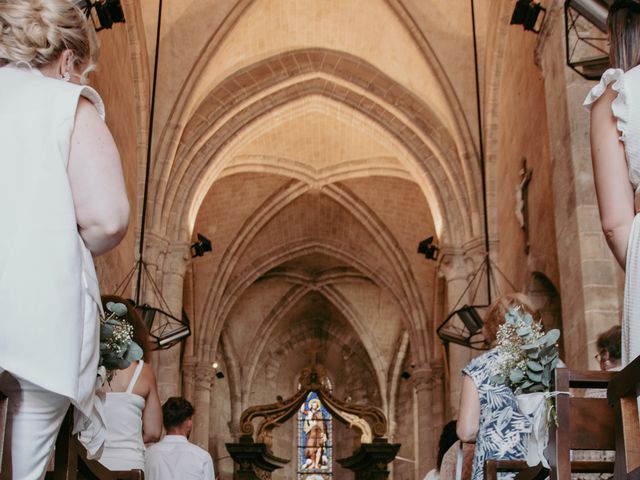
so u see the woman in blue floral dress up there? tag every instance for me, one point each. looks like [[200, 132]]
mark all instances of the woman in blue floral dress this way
[[489, 413]]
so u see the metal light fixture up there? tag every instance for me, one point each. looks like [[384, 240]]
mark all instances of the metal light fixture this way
[[586, 43], [526, 13], [107, 12], [163, 327], [202, 246], [429, 249]]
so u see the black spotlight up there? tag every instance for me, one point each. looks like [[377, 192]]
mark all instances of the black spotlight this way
[[526, 14], [406, 375], [202, 246], [107, 11], [428, 249], [219, 375]]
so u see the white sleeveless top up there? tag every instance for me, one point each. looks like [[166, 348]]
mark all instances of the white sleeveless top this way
[[49, 293], [124, 448], [626, 109]]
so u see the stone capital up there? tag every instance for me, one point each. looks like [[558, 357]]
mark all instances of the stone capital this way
[[452, 263], [203, 375], [177, 258], [422, 378]]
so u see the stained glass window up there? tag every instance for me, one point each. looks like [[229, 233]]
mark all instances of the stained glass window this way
[[315, 440]]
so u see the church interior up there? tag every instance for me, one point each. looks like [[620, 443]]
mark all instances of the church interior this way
[[315, 144]]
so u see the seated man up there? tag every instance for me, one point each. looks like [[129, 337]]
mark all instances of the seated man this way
[[174, 456]]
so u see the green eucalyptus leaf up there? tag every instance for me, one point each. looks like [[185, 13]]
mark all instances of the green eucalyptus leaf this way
[[134, 352], [516, 375], [535, 366], [552, 337], [522, 331], [535, 376], [528, 319], [120, 309]]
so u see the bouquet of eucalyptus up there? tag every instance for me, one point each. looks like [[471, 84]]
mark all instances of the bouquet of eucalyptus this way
[[528, 355], [117, 348], [526, 361]]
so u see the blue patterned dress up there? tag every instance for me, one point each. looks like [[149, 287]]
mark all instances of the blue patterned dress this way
[[503, 429]]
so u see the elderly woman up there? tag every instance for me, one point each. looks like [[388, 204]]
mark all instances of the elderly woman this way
[[63, 198], [489, 413]]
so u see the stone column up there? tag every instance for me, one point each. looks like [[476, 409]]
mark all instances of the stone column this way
[[455, 272], [422, 378], [188, 378], [202, 402], [174, 267], [437, 400]]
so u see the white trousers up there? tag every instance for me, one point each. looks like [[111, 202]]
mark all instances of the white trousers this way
[[34, 417]]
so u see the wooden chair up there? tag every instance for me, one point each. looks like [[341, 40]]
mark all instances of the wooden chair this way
[[524, 472], [584, 423], [71, 460], [622, 396]]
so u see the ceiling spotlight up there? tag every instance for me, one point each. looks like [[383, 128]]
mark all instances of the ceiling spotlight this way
[[406, 375], [428, 249], [219, 375], [107, 12], [214, 364], [526, 14], [202, 246]]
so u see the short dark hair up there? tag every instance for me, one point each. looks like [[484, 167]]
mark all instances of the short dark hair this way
[[175, 411], [447, 438], [610, 341]]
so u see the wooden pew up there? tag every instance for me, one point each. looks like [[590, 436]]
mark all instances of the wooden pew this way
[[622, 396], [584, 423], [71, 459]]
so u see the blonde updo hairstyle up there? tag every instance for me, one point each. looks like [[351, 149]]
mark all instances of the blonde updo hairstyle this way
[[36, 32], [499, 308]]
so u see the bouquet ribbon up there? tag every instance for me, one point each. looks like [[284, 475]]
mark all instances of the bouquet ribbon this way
[[537, 409]]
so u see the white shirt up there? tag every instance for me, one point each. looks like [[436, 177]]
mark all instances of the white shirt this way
[[174, 457]]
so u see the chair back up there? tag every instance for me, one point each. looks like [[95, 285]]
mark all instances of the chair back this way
[[623, 396], [583, 423]]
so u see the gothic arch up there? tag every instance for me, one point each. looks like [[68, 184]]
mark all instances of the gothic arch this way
[[439, 168]]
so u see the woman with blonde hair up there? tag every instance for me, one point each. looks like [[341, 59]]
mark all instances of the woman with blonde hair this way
[[63, 198], [615, 153], [488, 413]]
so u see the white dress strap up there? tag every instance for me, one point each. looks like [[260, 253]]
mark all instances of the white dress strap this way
[[615, 78], [136, 374]]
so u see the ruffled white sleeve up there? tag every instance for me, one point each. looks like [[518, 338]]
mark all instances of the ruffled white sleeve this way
[[620, 105]]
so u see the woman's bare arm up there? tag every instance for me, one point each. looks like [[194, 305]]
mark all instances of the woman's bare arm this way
[[152, 413], [469, 411], [613, 188], [97, 183]]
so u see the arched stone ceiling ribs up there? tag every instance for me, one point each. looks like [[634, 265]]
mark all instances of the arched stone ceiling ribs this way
[[438, 160], [228, 285], [263, 338], [183, 108]]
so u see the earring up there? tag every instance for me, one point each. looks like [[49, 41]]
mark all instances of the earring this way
[[66, 76]]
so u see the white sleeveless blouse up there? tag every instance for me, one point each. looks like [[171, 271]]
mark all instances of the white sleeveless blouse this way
[[124, 448], [626, 109], [49, 296]]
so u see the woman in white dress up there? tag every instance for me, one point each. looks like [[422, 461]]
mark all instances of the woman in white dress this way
[[615, 152], [132, 410], [62, 199]]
